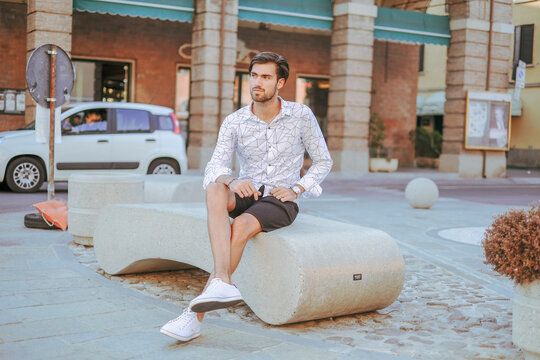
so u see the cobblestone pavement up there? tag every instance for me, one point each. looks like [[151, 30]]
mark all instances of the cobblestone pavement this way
[[438, 315]]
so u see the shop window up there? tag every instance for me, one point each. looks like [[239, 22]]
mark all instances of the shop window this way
[[183, 91], [523, 46], [97, 80], [242, 96], [422, 56], [313, 92]]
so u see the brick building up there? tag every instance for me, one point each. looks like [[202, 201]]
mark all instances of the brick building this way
[[349, 59]]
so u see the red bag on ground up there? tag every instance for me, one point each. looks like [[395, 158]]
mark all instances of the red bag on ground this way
[[54, 212]]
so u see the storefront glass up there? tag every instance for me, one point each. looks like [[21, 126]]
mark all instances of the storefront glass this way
[[183, 84], [242, 96], [313, 92], [97, 80]]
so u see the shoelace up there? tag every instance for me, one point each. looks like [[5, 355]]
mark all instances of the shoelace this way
[[184, 319]]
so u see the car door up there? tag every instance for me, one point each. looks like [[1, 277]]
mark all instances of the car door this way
[[133, 143], [86, 144]]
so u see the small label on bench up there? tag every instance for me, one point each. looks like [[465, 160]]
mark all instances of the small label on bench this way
[[357, 277]]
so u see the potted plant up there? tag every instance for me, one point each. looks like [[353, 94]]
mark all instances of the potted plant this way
[[378, 157], [512, 246], [427, 147]]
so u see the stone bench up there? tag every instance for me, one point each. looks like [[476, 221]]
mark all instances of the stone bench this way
[[315, 268], [173, 188], [88, 193]]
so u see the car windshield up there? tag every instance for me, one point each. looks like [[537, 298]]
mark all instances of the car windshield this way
[[29, 126]]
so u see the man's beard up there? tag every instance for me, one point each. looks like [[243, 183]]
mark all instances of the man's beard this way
[[264, 99]]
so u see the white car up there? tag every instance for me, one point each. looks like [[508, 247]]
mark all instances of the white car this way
[[96, 137]]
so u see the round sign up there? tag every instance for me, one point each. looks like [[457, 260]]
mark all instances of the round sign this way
[[38, 75]]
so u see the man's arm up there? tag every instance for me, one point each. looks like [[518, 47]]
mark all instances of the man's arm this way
[[220, 163], [315, 145], [243, 188], [219, 169]]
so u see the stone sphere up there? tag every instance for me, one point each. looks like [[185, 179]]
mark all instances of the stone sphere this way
[[421, 193]]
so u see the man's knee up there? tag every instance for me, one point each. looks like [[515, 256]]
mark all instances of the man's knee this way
[[216, 190], [246, 224]]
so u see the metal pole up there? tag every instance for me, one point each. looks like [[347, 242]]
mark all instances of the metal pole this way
[[52, 105]]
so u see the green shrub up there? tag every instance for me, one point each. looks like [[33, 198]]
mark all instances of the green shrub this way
[[376, 135], [427, 143]]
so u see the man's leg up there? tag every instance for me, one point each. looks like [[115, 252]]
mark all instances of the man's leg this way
[[219, 201], [244, 227]]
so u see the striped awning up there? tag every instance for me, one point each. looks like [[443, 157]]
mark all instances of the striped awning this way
[[310, 14], [174, 10], [390, 24], [412, 27]]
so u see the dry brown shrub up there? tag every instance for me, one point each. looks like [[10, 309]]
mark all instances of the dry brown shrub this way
[[512, 244]]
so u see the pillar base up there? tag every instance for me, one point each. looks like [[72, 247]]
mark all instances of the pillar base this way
[[471, 163], [350, 161], [495, 164]]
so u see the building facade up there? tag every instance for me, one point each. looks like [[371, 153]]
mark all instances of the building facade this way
[[525, 45], [349, 59]]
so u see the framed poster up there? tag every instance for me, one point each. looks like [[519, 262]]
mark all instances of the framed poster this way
[[488, 118]]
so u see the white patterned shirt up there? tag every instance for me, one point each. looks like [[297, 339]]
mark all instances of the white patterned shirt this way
[[272, 154]]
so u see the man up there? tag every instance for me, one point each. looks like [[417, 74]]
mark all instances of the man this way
[[270, 137], [93, 121]]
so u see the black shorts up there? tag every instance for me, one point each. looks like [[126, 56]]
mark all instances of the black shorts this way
[[271, 213]]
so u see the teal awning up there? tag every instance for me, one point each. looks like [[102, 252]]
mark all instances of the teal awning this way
[[174, 10], [311, 14], [390, 24], [411, 27]]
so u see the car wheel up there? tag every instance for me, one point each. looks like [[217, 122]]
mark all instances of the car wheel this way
[[35, 221], [164, 167], [25, 175]]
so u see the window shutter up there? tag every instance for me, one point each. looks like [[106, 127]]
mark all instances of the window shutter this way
[[421, 60], [526, 48], [517, 43]]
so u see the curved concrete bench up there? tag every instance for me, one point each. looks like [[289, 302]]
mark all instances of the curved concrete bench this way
[[315, 268], [88, 193], [173, 188]]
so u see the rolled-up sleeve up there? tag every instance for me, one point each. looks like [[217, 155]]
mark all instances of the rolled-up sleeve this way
[[220, 163], [315, 145]]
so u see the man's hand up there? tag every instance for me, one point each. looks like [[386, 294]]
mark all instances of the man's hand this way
[[284, 194], [244, 188]]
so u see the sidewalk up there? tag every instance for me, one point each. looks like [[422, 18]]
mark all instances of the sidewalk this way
[[54, 304]]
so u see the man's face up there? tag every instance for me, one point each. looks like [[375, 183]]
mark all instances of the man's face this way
[[263, 82], [92, 117]]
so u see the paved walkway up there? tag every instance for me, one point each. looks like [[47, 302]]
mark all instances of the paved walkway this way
[[55, 304]]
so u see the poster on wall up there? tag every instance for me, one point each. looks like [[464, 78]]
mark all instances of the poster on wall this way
[[488, 121], [12, 101]]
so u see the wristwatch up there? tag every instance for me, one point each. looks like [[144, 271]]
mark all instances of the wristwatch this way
[[297, 190]]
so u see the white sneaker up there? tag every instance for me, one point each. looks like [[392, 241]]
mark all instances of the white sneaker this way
[[217, 295], [185, 327]]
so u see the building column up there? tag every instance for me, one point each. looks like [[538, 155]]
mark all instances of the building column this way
[[351, 64], [48, 22], [212, 74], [467, 68]]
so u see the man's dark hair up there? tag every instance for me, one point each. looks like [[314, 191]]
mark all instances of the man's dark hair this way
[[267, 57]]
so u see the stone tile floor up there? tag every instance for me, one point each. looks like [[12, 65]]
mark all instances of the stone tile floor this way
[[438, 315]]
